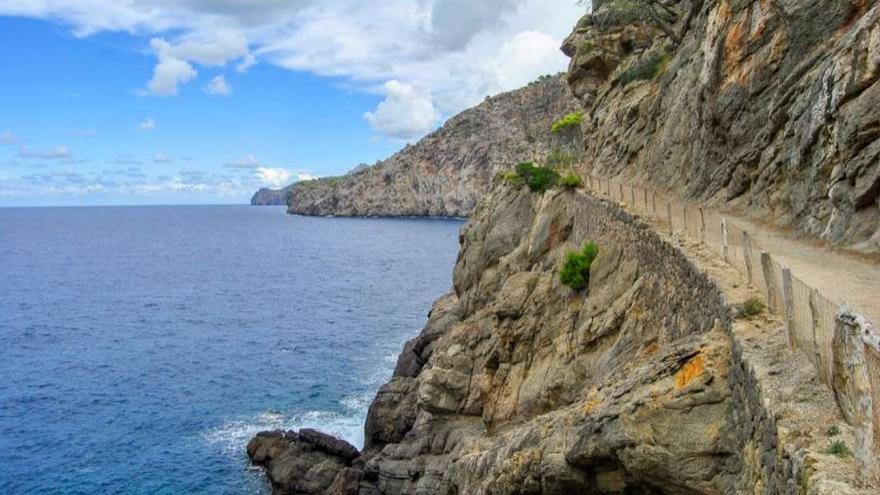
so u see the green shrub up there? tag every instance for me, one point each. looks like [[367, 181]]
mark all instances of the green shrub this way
[[539, 179], [571, 181], [832, 431], [571, 120], [557, 159], [752, 307], [646, 69], [575, 271], [512, 178], [838, 448]]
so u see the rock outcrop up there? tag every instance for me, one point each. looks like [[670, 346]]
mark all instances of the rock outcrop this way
[[271, 197], [446, 172], [519, 384], [768, 106]]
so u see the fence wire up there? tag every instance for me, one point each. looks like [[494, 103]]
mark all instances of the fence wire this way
[[810, 317]]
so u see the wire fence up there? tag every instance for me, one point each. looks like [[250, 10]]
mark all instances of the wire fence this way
[[810, 318]]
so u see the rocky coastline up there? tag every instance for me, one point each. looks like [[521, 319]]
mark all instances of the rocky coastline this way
[[768, 108], [518, 384], [646, 381]]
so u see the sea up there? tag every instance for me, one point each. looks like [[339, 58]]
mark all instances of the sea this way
[[142, 346]]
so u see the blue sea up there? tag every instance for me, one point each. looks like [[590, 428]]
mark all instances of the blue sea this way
[[141, 347]]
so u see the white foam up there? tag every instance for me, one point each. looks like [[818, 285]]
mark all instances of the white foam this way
[[232, 435]]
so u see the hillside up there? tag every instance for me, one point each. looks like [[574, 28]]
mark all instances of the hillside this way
[[766, 107], [446, 172], [271, 197]]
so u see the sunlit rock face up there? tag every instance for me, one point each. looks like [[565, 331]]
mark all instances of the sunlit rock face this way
[[447, 172], [520, 384], [769, 106]]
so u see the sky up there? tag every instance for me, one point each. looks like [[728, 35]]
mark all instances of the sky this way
[[205, 101]]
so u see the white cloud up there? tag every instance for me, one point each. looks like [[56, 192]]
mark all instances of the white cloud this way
[[405, 112], [526, 54], [249, 162], [218, 86], [125, 160], [246, 63], [273, 177], [9, 139], [162, 158], [170, 71], [56, 153], [147, 124], [454, 51]]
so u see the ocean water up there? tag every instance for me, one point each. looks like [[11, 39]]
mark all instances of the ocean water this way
[[141, 347]]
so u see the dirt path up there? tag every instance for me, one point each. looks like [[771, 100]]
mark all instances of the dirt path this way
[[840, 277]]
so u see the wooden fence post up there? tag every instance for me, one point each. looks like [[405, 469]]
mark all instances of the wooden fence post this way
[[702, 226], [747, 254], [645, 197], [788, 307], [632, 196], [814, 323], [620, 190], [770, 282], [725, 244], [669, 216], [684, 216], [654, 204]]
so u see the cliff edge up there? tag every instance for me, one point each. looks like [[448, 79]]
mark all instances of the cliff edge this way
[[446, 172], [768, 107], [271, 197], [520, 384]]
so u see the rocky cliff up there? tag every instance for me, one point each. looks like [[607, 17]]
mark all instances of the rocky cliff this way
[[769, 106], [521, 385], [446, 172], [271, 197], [765, 106]]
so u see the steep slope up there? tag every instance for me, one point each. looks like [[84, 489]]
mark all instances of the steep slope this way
[[521, 385], [446, 172], [769, 106], [271, 197]]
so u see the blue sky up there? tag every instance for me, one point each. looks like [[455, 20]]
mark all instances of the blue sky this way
[[197, 101]]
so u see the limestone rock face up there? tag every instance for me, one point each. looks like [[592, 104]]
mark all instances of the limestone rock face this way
[[767, 106], [446, 172], [270, 197], [519, 384]]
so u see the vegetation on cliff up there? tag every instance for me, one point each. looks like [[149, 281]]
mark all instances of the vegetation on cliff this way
[[575, 271], [569, 121]]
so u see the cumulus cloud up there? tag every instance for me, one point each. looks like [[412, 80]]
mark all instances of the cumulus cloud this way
[[170, 71], [274, 177], [455, 22], [454, 51], [56, 153], [248, 61], [405, 112], [147, 124], [218, 86]]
